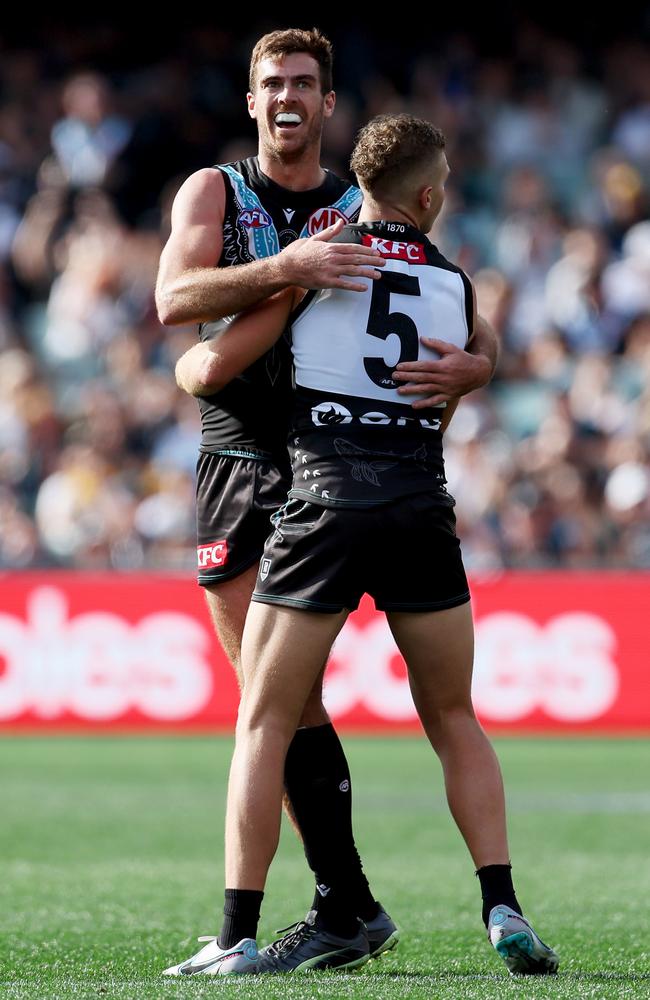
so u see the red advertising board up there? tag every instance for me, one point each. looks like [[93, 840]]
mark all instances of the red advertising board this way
[[563, 652]]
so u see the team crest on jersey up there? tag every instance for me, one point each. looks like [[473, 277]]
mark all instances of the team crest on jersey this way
[[322, 219], [213, 555], [254, 218], [286, 237]]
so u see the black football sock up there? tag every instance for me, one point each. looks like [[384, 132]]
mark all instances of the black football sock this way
[[241, 914], [497, 889], [336, 910], [317, 781]]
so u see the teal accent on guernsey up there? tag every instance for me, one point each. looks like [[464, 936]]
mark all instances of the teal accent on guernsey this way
[[262, 242], [348, 205]]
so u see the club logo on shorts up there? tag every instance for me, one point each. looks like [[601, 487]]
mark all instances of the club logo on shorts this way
[[265, 566], [344, 786], [322, 219], [213, 555], [330, 414], [254, 218]]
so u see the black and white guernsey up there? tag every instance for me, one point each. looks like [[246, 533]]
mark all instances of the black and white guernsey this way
[[355, 441]]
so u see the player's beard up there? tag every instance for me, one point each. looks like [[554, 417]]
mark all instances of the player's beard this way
[[277, 150]]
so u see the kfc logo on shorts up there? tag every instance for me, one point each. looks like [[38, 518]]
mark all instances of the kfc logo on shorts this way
[[396, 250], [265, 566], [213, 555], [323, 219], [254, 218]]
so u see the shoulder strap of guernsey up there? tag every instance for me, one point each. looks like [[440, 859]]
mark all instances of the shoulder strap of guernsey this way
[[265, 238]]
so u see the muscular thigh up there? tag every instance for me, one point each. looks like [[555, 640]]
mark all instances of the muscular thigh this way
[[438, 647], [283, 652], [228, 603]]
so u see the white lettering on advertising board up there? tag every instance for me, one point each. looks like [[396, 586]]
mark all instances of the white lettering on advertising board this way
[[98, 665]]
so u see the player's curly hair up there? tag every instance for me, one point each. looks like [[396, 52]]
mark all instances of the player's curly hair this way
[[289, 41], [389, 146]]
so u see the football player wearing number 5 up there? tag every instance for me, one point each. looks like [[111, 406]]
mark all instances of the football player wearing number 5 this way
[[368, 512]]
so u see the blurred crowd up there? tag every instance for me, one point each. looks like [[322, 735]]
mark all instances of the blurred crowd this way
[[547, 208]]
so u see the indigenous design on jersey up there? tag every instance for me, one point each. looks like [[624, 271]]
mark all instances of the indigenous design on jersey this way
[[261, 218], [355, 441], [252, 219]]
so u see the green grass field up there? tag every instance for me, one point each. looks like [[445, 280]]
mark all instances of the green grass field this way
[[111, 859]]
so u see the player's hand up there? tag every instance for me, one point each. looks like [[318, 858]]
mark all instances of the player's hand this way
[[318, 263], [455, 373]]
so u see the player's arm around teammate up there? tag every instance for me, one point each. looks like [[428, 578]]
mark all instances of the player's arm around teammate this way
[[456, 373], [210, 365], [200, 371], [191, 288]]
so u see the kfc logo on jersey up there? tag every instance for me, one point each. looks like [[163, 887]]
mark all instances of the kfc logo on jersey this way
[[413, 253], [254, 218], [323, 219], [213, 555]]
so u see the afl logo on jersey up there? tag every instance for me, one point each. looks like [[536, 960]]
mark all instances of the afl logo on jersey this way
[[323, 219], [330, 415], [254, 218]]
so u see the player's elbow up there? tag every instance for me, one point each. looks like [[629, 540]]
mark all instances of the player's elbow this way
[[169, 307], [208, 383], [211, 375]]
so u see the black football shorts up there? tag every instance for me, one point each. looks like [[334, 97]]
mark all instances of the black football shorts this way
[[405, 554], [235, 498]]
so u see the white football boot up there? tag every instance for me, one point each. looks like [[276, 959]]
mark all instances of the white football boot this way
[[212, 960], [520, 947]]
